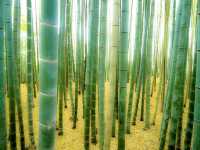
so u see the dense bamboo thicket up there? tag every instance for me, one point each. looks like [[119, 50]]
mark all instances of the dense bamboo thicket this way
[[99, 74]]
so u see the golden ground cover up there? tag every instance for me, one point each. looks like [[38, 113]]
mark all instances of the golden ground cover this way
[[72, 139]]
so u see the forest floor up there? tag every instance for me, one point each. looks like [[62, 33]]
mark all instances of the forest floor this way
[[139, 139]]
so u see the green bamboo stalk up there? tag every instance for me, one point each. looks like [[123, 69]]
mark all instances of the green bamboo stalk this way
[[16, 30], [78, 61], [101, 73], [196, 138], [33, 59], [30, 72], [94, 74], [164, 52], [135, 65], [188, 77], [140, 88], [92, 46], [148, 64], [190, 121], [170, 86], [143, 97], [3, 132], [69, 53], [85, 47], [36, 47], [147, 50], [65, 62], [172, 39], [142, 73], [192, 80], [190, 55], [140, 83], [65, 87], [113, 73], [16, 40], [61, 73], [116, 110], [10, 72], [80, 29], [123, 70], [82, 37], [48, 74], [177, 102], [34, 66], [60, 91]]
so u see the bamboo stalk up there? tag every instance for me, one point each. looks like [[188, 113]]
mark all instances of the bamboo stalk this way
[[48, 73]]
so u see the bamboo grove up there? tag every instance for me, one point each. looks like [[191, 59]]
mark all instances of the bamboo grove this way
[[103, 69]]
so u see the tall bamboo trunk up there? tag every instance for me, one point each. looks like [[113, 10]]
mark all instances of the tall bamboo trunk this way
[[110, 120], [101, 73], [190, 121], [94, 74], [123, 70], [196, 137], [11, 72], [3, 132], [30, 72], [90, 82], [69, 46], [192, 64], [16, 34], [78, 61], [48, 74], [61, 69], [136, 61], [140, 87], [148, 65], [164, 52], [170, 86], [178, 93]]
